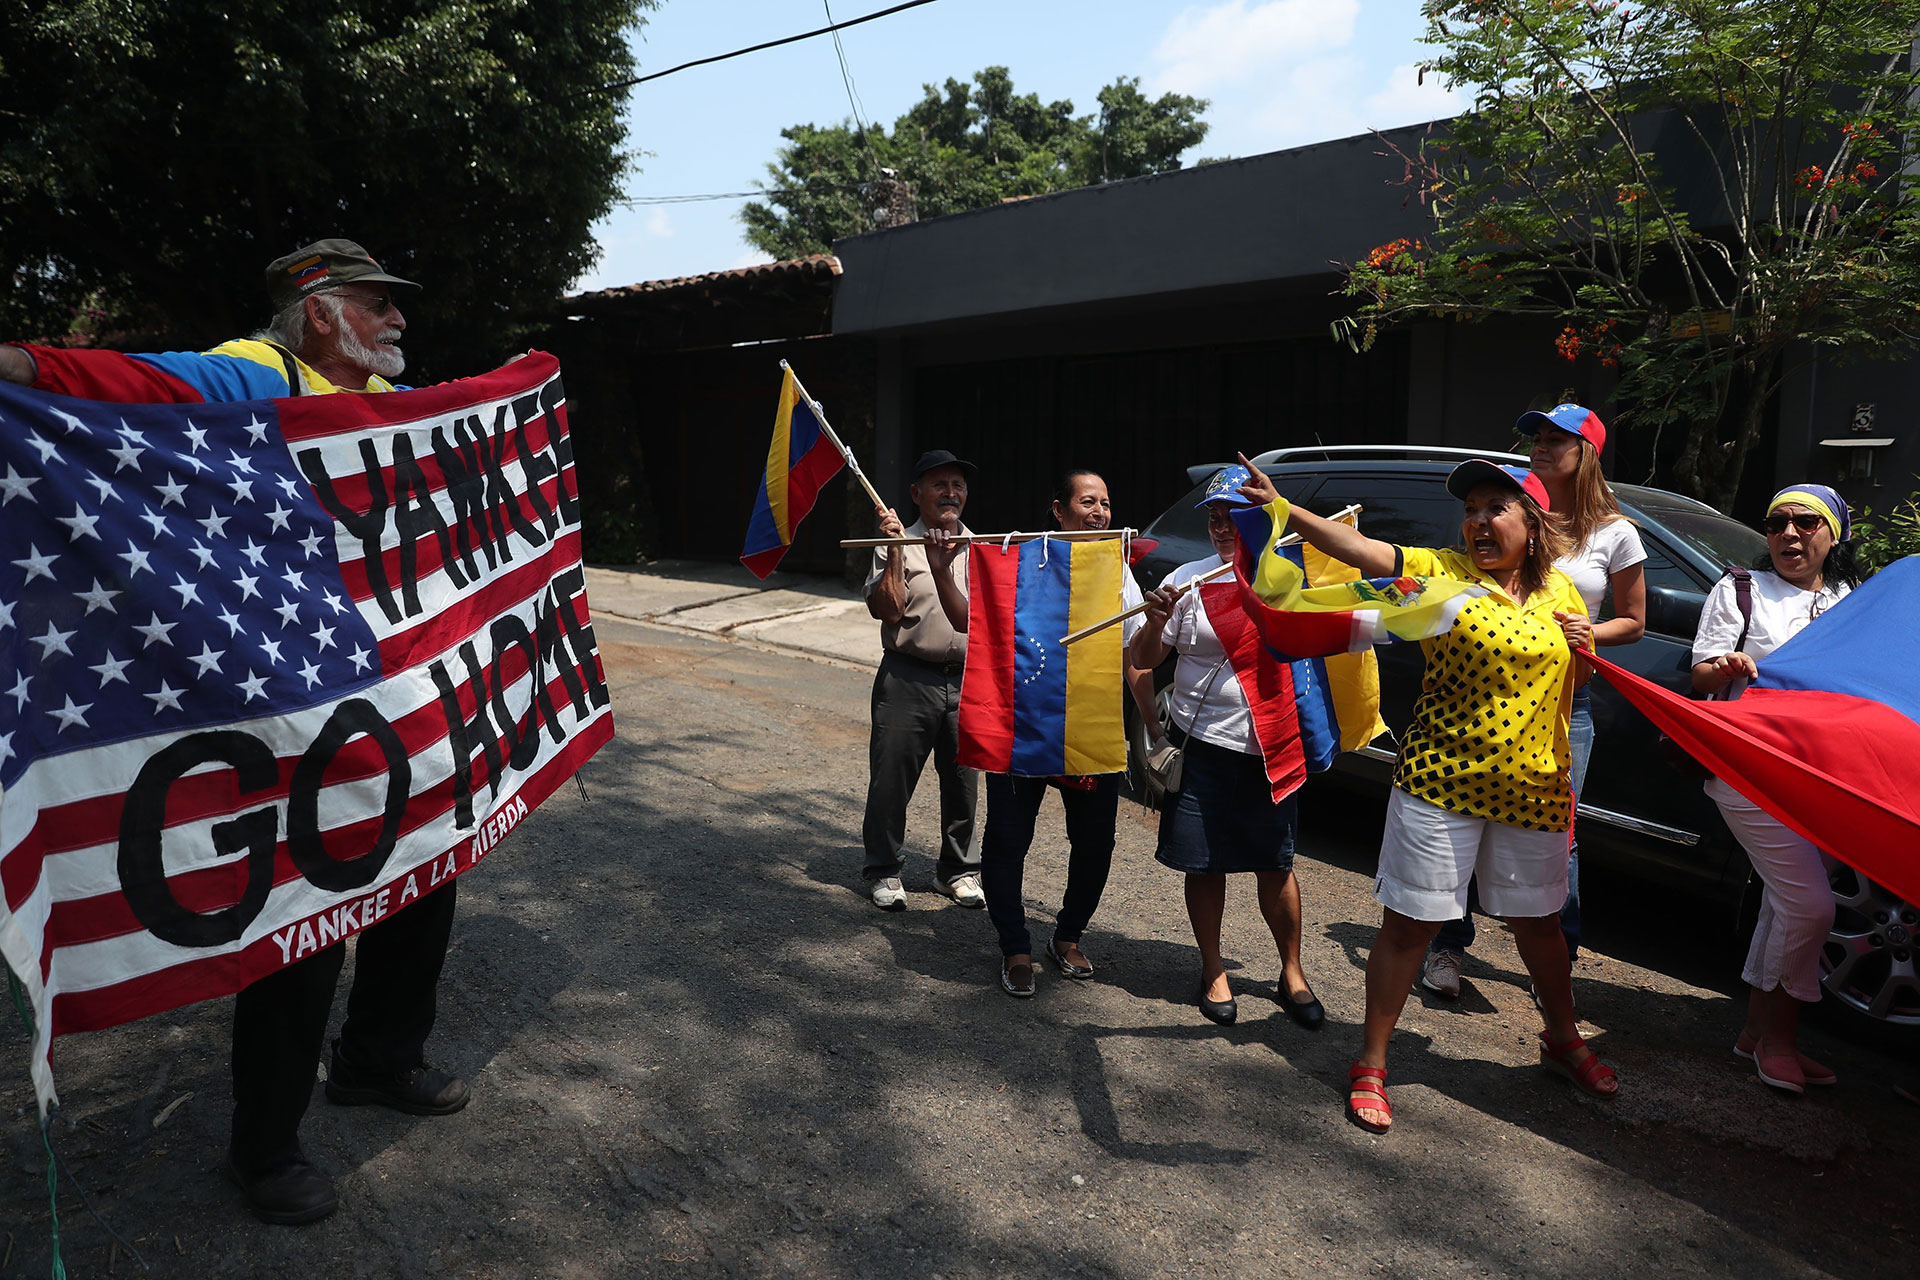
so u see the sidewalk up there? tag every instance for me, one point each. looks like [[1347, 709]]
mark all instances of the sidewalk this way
[[807, 613]]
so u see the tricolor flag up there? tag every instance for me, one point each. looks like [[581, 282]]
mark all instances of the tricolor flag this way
[[800, 461], [1030, 705], [1299, 620], [269, 671], [1827, 738]]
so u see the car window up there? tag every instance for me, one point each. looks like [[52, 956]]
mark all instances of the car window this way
[[1721, 540], [1409, 511], [1184, 520]]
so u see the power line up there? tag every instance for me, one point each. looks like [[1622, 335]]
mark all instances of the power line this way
[[846, 76], [769, 44]]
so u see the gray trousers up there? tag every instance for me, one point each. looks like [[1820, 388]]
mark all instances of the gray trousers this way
[[916, 711]]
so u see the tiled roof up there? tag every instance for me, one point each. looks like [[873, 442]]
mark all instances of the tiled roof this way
[[818, 266]]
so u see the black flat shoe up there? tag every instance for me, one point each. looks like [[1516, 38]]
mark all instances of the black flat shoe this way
[[1308, 1013], [1221, 1011]]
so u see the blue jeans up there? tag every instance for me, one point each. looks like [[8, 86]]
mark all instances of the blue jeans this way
[[1012, 805], [1457, 935]]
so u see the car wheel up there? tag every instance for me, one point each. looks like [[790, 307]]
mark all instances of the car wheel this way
[[1871, 961], [1138, 743]]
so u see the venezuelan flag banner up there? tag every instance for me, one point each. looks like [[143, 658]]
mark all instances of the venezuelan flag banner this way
[[800, 461], [1825, 740], [1030, 705], [1293, 717], [1297, 620]]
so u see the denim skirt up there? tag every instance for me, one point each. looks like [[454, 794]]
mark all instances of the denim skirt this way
[[1224, 819]]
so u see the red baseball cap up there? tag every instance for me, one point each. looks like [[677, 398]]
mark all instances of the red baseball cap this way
[[1474, 471], [1574, 419]]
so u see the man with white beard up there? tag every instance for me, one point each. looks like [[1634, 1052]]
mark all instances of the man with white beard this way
[[335, 329]]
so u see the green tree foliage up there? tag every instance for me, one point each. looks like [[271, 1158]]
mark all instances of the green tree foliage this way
[[964, 146], [1698, 190], [156, 154]]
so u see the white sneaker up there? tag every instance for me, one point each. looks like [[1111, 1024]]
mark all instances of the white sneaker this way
[[889, 894], [1442, 974], [964, 890]]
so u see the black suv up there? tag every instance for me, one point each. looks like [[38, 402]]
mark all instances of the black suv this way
[[1637, 814]]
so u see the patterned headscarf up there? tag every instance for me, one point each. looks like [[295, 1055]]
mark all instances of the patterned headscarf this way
[[1822, 500]]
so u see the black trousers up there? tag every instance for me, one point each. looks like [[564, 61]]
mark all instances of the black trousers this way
[[280, 1021], [1013, 804]]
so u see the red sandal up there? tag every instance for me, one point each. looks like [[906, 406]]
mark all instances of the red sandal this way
[[1590, 1074], [1369, 1086]]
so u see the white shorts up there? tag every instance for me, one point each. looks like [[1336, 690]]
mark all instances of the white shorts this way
[[1428, 855]]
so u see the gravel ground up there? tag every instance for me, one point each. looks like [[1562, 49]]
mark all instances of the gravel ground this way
[[697, 1051]]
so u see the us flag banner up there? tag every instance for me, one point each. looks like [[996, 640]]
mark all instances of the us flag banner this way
[[271, 670]]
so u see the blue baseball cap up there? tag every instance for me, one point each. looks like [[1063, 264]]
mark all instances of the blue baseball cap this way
[[1574, 419], [1462, 479], [1225, 487]]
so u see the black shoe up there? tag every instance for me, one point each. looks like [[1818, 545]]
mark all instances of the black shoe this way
[[287, 1193], [1065, 965], [1308, 1013], [1221, 1011], [422, 1091]]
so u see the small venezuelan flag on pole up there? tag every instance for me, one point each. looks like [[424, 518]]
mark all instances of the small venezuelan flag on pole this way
[[804, 455], [1030, 705]]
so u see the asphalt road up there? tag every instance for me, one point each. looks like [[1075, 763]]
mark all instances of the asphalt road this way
[[697, 1051]]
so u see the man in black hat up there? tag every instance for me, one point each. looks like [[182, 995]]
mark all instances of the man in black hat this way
[[336, 328], [916, 695]]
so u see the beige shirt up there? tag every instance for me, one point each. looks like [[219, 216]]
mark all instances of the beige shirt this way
[[923, 630]]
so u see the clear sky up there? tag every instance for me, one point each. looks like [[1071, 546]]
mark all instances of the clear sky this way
[[1279, 73]]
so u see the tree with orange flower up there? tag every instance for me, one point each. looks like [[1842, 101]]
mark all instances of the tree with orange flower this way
[[1702, 193]]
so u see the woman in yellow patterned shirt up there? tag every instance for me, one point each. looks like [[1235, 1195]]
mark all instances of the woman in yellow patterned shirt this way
[[1483, 782]]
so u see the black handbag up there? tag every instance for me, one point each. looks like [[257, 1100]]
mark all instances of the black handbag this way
[[1676, 755]]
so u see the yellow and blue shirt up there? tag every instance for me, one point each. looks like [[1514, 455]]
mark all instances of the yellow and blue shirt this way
[[1489, 732]]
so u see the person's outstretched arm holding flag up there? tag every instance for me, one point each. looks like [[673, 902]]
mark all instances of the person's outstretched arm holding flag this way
[[1345, 543]]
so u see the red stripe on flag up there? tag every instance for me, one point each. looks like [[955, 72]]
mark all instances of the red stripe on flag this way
[[1267, 683], [986, 689], [1836, 768], [323, 416], [472, 459], [436, 633], [215, 976]]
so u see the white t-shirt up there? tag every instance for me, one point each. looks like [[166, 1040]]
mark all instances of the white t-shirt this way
[[1220, 716], [1612, 547], [1130, 596], [1780, 611]]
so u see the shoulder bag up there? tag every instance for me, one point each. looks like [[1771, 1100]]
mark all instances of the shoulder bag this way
[[1683, 764]]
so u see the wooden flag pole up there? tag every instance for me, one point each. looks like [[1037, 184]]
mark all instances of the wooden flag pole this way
[[1190, 583], [820, 416], [1067, 535]]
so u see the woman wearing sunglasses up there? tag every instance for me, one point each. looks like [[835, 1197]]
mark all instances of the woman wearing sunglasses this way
[[1808, 566], [1564, 444]]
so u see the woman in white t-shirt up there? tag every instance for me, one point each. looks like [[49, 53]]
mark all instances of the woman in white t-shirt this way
[[1565, 454], [1224, 819], [1809, 565]]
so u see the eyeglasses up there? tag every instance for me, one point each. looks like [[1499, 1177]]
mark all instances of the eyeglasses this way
[[1806, 522], [380, 306], [1221, 516]]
